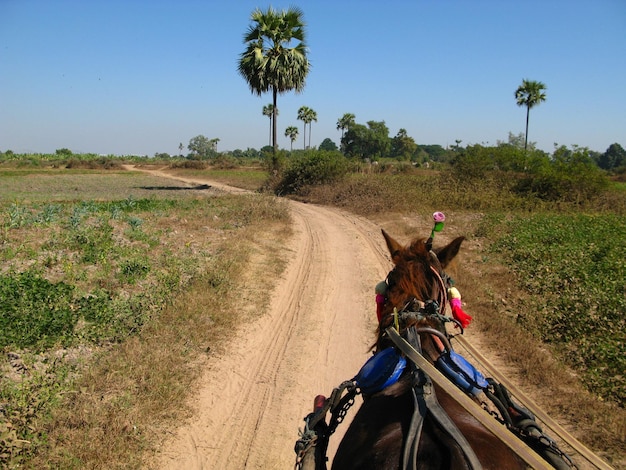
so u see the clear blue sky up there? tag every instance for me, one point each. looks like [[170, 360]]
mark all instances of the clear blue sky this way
[[139, 77]]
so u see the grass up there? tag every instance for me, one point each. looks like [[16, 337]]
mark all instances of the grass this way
[[101, 320]]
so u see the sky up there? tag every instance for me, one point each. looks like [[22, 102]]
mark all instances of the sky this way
[[139, 77]]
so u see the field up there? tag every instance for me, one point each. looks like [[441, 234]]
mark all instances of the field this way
[[100, 270]]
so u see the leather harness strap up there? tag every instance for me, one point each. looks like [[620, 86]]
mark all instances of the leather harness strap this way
[[515, 444], [425, 401]]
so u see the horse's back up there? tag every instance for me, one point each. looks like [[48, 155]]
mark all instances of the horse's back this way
[[376, 437]]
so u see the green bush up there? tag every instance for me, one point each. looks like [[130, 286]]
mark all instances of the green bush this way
[[310, 168], [570, 176]]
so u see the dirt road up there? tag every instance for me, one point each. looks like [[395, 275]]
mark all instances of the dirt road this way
[[251, 401]]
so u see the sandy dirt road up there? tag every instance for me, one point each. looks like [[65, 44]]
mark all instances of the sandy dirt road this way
[[251, 401]]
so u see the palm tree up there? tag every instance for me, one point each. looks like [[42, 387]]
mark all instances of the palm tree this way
[[530, 93], [269, 63], [269, 112], [312, 116], [292, 133], [307, 115], [344, 122]]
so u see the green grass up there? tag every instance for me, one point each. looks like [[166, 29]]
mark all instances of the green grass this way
[[573, 269]]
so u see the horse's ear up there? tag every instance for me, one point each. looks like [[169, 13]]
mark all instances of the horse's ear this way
[[393, 246], [448, 252]]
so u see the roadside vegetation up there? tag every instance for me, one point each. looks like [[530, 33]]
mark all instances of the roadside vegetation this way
[[100, 324]]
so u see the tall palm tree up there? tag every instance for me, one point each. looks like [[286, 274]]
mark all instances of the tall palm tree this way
[[270, 62], [269, 112], [530, 93], [292, 133], [312, 116], [307, 115]]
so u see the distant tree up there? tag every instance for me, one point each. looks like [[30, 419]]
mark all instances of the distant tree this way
[[380, 143], [269, 63], [344, 122], [311, 118], [403, 147], [614, 157], [354, 141], [367, 142], [180, 149], [435, 152], [307, 115], [64, 152], [292, 133], [517, 141], [201, 147], [530, 93], [269, 112], [328, 145]]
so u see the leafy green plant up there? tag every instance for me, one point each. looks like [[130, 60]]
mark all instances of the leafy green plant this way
[[24, 405], [573, 267], [35, 312], [312, 168]]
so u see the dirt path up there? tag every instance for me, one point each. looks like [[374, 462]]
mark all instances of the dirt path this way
[[250, 402]]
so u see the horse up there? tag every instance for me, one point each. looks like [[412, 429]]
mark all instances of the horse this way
[[413, 422]]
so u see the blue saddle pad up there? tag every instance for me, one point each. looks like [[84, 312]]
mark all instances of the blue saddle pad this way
[[460, 371], [380, 371]]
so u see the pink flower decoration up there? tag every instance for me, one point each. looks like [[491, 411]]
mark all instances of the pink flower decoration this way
[[439, 216]]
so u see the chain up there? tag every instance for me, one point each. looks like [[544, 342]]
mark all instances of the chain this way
[[340, 405]]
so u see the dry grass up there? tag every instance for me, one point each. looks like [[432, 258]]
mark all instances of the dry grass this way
[[135, 390], [127, 393]]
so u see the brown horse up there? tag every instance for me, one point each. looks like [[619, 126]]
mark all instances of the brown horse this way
[[408, 419], [379, 433]]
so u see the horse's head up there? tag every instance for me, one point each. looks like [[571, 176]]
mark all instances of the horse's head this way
[[418, 277]]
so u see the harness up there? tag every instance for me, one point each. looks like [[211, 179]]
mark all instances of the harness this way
[[452, 373], [425, 402]]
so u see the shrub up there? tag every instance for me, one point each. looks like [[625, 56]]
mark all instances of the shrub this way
[[313, 167], [571, 176]]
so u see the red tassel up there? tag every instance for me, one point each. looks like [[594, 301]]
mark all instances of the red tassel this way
[[458, 313], [380, 301]]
